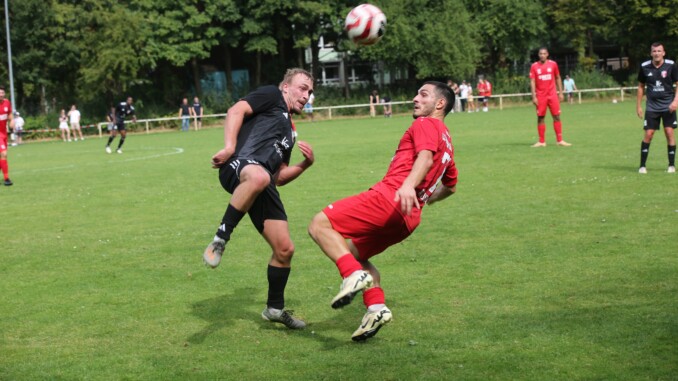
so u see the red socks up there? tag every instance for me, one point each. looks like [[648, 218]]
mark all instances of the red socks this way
[[558, 128], [372, 296], [347, 265], [5, 168], [541, 128]]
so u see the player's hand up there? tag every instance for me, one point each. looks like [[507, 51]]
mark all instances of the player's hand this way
[[307, 151], [408, 198], [639, 112], [220, 158], [561, 97], [673, 106], [535, 101]]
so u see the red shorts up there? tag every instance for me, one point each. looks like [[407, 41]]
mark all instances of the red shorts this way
[[369, 220], [551, 102]]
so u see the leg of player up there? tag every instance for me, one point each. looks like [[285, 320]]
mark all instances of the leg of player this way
[[276, 233], [671, 148], [645, 150], [333, 244], [558, 128], [253, 180], [541, 130], [114, 133], [377, 314], [4, 166], [123, 135]]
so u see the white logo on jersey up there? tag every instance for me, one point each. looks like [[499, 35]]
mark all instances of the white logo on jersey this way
[[286, 115]]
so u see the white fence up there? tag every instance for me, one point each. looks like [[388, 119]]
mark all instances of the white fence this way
[[497, 98]]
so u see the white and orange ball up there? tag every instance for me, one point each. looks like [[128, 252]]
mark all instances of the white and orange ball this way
[[365, 24]]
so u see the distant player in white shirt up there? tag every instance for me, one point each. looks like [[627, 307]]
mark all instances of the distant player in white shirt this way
[[74, 118]]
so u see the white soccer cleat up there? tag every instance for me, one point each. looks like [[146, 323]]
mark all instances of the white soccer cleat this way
[[118, 150], [671, 169], [538, 144], [212, 255], [563, 143], [642, 170], [371, 324], [108, 149], [350, 286]]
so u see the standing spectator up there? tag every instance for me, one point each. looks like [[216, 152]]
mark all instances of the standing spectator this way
[[308, 107], [122, 110], [197, 113], [471, 99], [374, 101], [18, 128], [661, 78], [463, 95], [258, 139], [570, 88], [63, 126], [386, 100], [74, 116], [485, 92], [185, 115], [421, 172], [455, 89], [544, 77], [5, 116]]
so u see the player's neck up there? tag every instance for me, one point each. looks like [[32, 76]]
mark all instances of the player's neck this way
[[658, 64]]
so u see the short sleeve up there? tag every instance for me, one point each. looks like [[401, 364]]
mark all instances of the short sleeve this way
[[263, 98], [424, 135]]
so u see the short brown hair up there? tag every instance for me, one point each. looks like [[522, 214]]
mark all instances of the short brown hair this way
[[290, 73]]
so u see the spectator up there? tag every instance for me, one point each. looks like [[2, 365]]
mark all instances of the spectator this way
[[74, 116], [18, 128], [455, 89], [485, 92], [387, 106], [197, 113], [110, 118], [374, 100], [6, 120], [185, 114], [308, 107], [463, 95], [63, 126], [471, 99], [570, 88]]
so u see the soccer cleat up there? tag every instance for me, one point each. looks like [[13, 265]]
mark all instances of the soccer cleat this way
[[642, 170], [671, 169], [538, 144], [108, 149], [118, 150], [283, 317], [351, 285], [8, 182], [563, 143], [212, 255], [371, 324]]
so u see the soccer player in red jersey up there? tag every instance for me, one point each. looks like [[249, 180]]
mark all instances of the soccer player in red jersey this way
[[353, 230], [6, 115], [544, 77]]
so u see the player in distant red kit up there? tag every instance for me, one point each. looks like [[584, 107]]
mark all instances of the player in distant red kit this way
[[353, 230], [6, 115], [544, 77]]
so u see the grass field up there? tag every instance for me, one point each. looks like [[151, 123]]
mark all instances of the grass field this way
[[548, 264]]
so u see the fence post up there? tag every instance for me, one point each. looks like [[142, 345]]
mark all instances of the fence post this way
[[622, 94], [579, 96], [329, 113], [99, 128], [147, 129], [501, 102]]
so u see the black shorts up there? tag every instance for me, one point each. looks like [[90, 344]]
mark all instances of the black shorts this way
[[120, 126], [652, 120], [267, 206]]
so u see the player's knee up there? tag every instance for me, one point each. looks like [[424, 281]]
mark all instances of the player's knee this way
[[317, 223], [283, 253]]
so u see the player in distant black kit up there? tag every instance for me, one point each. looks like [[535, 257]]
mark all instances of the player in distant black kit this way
[[661, 77], [122, 110], [258, 140]]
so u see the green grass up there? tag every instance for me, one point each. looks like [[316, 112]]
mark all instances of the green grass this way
[[548, 264]]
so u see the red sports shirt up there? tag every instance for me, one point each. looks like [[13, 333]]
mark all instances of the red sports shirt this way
[[5, 112], [544, 76], [424, 134]]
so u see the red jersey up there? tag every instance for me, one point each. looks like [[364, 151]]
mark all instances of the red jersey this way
[[5, 112], [424, 134], [485, 89], [544, 76]]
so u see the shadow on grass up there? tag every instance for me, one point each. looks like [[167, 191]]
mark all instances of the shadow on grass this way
[[221, 312]]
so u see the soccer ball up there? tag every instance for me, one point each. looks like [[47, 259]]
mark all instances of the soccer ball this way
[[365, 24]]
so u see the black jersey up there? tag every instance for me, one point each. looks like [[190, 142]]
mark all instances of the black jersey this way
[[122, 110], [196, 107], [185, 109], [659, 82], [267, 136]]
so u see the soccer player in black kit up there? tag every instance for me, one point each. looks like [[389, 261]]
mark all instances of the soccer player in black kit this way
[[258, 140], [122, 110], [661, 77]]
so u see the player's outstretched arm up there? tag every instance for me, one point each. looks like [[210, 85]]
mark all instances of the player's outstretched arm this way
[[288, 173], [234, 118]]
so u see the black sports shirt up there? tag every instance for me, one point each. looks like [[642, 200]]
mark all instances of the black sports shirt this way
[[122, 110], [267, 136], [659, 83]]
